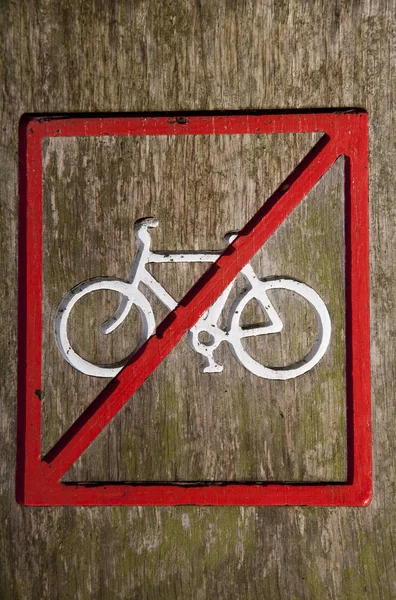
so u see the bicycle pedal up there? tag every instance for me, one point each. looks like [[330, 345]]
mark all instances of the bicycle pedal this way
[[211, 368]]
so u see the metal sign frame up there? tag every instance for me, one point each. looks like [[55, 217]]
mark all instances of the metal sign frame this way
[[38, 478]]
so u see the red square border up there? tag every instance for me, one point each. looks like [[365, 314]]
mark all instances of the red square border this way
[[38, 478]]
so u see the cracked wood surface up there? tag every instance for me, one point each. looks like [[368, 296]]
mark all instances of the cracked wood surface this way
[[170, 56]]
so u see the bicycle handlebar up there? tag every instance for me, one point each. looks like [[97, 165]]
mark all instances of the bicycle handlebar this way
[[145, 223]]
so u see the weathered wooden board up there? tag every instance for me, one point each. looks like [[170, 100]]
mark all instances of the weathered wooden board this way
[[195, 56], [199, 187]]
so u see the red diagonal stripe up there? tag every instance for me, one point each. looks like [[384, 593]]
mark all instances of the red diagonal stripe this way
[[209, 287]]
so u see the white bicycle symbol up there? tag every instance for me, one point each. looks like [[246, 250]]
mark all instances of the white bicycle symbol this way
[[207, 326]]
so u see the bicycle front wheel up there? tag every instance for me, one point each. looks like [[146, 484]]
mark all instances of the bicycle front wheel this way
[[130, 296], [238, 333]]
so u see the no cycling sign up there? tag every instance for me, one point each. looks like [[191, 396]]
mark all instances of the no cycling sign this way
[[344, 133]]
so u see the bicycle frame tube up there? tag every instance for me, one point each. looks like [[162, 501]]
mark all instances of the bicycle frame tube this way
[[169, 257], [152, 284], [183, 257]]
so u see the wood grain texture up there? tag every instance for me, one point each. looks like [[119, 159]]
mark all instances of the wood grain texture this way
[[195, 56], [182, 425]]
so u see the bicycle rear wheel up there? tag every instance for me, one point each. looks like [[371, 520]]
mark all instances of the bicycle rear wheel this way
[[238, 333]]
